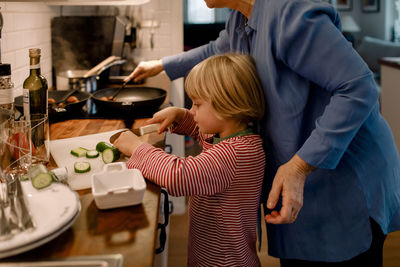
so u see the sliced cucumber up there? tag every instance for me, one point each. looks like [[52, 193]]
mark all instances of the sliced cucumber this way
[[42, 180], [79, 152], [110, 155], [24, 177], [81, 167], [91, 154], [101, 146]]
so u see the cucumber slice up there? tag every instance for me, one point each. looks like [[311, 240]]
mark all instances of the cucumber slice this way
[[42, 180], [81, 167], [110, 155], [79, 152], [101, 146], [91, 154]]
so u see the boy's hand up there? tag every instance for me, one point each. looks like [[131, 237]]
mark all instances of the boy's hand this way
[[167, 117], [127, 143]]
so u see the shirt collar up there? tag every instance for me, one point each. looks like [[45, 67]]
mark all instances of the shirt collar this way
[[252, 22], [217, 139]]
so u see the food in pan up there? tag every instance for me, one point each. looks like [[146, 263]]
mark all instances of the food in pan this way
[[110, 98], [72, 99]]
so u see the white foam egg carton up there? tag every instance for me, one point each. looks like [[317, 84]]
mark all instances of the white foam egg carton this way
[[117, 186]]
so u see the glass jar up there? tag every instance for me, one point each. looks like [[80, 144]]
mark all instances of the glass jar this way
[[6, 88]]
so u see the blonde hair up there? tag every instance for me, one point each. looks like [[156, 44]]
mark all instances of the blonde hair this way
[[230, 82]]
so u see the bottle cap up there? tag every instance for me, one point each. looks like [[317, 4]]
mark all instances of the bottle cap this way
[[61, 174], [5, 69], [34, 52]]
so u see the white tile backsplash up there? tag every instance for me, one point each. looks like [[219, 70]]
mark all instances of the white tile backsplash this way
[[27, 25], [28, 7], [8, 21], [20, 58], [9, 58]]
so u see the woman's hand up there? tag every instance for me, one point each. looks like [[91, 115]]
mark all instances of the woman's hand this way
[[127, 143], [288, 182], [145, 69], [166, 117]]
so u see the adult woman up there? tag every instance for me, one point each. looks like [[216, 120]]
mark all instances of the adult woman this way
[[322, 122]]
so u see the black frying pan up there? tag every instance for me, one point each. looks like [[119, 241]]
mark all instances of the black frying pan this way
[[58, 96], [129, 99]]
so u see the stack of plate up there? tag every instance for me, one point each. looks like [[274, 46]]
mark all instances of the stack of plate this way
[[54, 209]]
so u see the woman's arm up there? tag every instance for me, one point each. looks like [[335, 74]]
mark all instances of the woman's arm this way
[[310, 43]]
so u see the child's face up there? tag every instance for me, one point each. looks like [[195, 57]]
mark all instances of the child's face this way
[[206, 117]]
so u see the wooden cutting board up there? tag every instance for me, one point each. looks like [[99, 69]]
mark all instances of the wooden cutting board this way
[[60, 150]]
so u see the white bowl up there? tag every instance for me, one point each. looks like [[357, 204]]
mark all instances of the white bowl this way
[[117, 186]]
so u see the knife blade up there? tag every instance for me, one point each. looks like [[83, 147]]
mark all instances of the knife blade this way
[[151, 128]]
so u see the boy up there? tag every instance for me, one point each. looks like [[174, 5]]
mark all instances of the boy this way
[[224, 181]]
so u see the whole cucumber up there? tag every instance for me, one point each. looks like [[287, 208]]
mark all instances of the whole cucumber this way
[[101, 146]]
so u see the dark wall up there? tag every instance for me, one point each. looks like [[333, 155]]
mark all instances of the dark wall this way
[[195, 35]]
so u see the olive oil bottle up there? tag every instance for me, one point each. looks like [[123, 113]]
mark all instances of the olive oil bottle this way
[[35, 89], [35, 95]]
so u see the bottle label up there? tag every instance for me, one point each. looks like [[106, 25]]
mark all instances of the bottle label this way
[[25, 99], [6, 96], [34, 67]]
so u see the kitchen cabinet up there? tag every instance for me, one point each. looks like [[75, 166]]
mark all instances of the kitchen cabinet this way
[[390, 94]]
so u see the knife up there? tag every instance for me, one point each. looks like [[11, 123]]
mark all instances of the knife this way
[[151, 128]]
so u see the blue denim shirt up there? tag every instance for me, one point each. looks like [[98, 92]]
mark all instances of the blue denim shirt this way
[[321, 103]]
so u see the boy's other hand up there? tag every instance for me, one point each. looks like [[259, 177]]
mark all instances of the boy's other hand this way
[[127, 143]]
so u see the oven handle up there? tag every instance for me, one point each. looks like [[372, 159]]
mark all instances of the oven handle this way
[[163, 226]]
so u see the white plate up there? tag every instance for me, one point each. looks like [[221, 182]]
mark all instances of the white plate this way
[[53, 210], [39, 242]]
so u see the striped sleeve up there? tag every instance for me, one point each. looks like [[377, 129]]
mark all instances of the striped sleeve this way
[[187, 126], [208, 173]]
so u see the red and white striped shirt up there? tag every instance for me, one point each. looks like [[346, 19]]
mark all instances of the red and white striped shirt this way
[[224, 182]]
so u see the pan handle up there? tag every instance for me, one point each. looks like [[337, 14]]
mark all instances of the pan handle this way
[[113, 63], [127, 104]]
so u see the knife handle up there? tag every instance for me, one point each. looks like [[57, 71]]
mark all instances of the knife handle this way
[[149, 128]]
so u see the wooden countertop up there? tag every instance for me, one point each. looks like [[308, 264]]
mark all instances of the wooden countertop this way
[[130, 231]]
